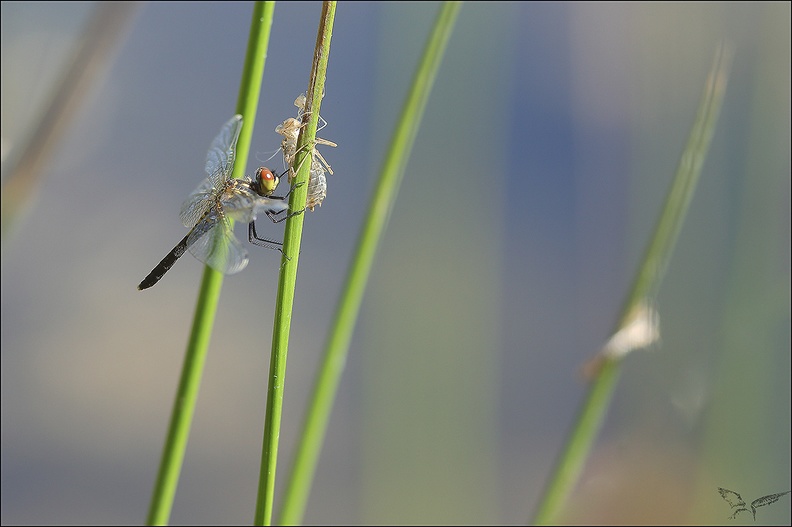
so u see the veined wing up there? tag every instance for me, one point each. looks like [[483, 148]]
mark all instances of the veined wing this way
[[212, 241], [222, 152], [198, 203], [241, 203], [219, 164]]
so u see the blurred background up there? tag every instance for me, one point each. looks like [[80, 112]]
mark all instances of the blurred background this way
[[549, 143]]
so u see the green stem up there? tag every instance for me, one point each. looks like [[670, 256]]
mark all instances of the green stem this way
[[209, 294], [336, 350], [288, 275], [645, 285]]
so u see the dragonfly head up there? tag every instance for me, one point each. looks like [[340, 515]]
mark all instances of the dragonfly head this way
[[266, 181]]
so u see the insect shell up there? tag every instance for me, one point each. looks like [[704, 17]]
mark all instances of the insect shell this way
[[290, 130], [317, 186]]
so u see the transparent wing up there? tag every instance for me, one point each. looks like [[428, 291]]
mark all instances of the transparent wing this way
[[212, 241], [198, 203], [242, 203], [219, 164], [222, 152]]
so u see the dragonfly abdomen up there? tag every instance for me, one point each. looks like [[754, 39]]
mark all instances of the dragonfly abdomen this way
[[166, 263], [209, 209]]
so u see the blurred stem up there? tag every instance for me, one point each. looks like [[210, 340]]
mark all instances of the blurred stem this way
[[209, 294], [288, 274], [337, 347], [94, 52], [646, 283]]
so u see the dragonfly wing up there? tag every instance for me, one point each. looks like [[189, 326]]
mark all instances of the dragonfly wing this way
[[212, 241], [222, 152], [243, 204], [264, 205], [198, 203], [219, 163]]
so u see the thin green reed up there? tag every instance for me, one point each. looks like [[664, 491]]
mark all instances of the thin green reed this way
[[209, 294]]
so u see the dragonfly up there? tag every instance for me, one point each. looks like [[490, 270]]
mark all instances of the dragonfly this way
[[217, 200]]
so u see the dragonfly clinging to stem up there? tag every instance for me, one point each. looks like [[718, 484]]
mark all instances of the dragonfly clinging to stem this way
[[217, 200]]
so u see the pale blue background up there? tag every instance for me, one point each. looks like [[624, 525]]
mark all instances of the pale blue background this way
[[548, 145]]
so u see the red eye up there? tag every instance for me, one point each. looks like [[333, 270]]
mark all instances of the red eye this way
[[267, 181], [265, 174], [211, 239]]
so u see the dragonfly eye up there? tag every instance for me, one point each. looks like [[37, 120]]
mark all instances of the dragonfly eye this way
[[267, 181]]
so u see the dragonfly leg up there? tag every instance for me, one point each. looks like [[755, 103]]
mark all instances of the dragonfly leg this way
[[292, 188], [273, 216], [254, 238]]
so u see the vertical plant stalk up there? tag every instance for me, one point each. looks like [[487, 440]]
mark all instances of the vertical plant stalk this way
[[288, 273], [337, 346], [606, 366], [95, 51], [203, 320]]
